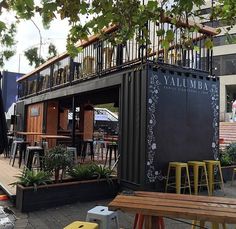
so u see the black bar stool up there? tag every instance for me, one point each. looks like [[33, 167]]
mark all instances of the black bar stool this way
[[85, 145], [22, 149], [32, 151], [111, 147]]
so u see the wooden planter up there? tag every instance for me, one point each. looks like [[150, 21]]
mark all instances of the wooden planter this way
[[227, 172], [46, 196]]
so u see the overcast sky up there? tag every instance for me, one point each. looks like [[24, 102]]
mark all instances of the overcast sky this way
[[28, 37]]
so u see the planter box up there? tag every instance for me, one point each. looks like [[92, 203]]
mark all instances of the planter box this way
[[227, 172], [46, 196]]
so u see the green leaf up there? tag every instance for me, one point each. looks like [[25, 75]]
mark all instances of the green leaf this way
[[170, 36], [196, 48], [209, 43], [165, 44], [160, 32], [2, 26]]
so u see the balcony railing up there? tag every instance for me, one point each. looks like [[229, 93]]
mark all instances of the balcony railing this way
[[100, 57]]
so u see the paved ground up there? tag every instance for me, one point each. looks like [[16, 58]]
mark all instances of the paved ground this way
[[57, 218]]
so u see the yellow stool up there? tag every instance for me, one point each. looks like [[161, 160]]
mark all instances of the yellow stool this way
[[211, 166], [196, 166], [234, 172], [178, 166], [83, 225]]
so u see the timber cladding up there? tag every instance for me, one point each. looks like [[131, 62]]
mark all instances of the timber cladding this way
[[34, 120], [52, 120]]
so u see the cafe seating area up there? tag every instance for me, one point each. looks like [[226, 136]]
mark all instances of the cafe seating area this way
[[101, 149]]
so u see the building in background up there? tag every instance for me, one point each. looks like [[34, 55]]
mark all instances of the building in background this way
[[9, 88], [224, 61]]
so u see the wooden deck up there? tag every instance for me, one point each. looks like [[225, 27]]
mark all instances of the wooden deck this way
[[7, 176]]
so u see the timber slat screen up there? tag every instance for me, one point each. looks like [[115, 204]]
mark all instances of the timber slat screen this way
[[100, 57]]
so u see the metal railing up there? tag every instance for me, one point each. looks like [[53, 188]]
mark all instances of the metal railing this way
[[100, 57]]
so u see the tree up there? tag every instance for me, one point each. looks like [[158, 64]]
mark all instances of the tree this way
[[33, 57], [130, 16]]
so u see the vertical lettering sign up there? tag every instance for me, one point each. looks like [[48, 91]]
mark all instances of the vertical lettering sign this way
[[182, 120]]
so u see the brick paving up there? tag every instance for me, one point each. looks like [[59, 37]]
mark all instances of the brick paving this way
[[57, 218]]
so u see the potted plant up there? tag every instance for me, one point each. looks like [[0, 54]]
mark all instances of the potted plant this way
[[57, 161], [228, 161], [37, 190]]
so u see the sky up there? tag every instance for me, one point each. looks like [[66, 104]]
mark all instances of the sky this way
[[28, 37]]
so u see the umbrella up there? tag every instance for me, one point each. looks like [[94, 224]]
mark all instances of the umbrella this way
[[3, 126]]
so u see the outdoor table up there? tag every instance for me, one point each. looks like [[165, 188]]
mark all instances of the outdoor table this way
[[200, 208], [28, 133], [54, 137]]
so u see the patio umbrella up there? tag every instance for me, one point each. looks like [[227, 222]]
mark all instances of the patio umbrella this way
[[3, 126]]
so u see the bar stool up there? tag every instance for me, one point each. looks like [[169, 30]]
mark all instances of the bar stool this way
[[198, 166], [99, 146], [110, 148], [213, 166], [83, 225], [73, 151], [14, 147], [85, 145], [178, 166], [234, 172], [22, 152], [104, 216], [9, 145], [32, 151]]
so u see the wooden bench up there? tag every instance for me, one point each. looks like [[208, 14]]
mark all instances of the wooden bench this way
[[199, 208]]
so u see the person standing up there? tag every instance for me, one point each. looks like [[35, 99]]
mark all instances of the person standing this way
[[233, 109]]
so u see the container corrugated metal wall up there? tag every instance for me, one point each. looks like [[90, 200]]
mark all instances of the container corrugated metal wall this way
[[133, 128]]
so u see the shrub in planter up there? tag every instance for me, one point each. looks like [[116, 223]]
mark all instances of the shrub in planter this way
[[33, 178], [231, 151], [58, 160], [89, 171], [227, 159]]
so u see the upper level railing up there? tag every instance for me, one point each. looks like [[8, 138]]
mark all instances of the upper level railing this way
[[100, 56]]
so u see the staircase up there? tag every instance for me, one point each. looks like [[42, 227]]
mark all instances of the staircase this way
[[227, 133]]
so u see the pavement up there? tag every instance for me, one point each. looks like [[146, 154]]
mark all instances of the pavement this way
[[58, 218]]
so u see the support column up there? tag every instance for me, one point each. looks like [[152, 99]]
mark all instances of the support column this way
[[73, 120]]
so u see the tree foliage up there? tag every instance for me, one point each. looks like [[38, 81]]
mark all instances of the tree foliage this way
[[34, 58], [129, 15]]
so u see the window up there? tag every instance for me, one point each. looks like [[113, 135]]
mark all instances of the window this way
[[61, 71], [204, 11], [224, 40], [44, 79], [224, 65]]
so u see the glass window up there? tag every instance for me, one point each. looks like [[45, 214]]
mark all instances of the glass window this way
[[44, 79], [32, 84], [224, 40], [224, 65], [204, 11], [61, 71]]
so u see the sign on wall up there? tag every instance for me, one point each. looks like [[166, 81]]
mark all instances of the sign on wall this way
[[34, 111]]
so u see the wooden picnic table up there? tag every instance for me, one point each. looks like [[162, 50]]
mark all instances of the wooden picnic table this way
[[200, 208]]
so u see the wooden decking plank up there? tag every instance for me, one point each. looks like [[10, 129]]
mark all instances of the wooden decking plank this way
[[7, 175]]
